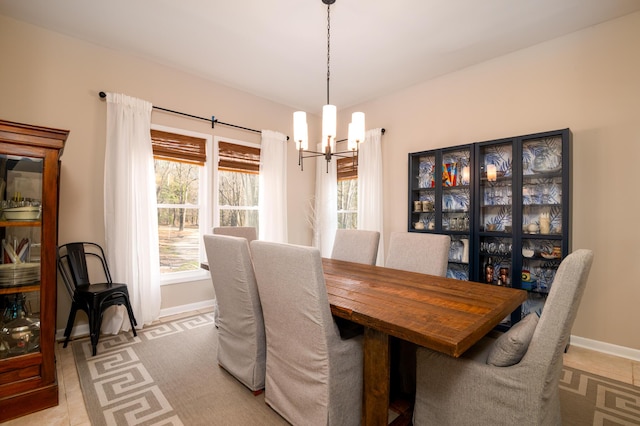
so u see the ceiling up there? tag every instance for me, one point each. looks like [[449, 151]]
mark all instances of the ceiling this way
[[278, 49]]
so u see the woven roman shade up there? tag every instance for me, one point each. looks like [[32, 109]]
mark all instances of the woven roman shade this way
[[174, 147], [238, 158], [347, 168]]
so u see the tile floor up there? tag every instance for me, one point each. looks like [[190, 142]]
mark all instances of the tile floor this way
[[71, 409]]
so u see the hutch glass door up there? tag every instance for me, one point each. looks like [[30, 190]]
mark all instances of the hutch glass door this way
[[21, 185]]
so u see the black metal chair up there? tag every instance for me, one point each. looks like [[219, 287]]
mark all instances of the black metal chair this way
[[94, 298]]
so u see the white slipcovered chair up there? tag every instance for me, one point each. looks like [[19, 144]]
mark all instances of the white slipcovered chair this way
[[415, 252], [248, 232], [512, 380], [313, 376], [356, 245], [241, 335]]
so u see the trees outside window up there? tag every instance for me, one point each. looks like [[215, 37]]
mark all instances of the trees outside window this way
[[177, 189], [348, 203], [238, 198], [237, 177], [347, 193], [181, 169]]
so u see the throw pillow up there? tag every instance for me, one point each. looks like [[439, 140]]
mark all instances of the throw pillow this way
[[512, 345]]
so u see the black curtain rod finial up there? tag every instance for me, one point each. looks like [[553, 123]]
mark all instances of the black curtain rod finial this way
[[102, 95]]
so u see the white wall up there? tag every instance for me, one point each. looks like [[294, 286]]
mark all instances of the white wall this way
[[588, 81], [52, 80]]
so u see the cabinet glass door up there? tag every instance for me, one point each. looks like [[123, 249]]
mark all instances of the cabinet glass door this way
[[455, 207], [20, 232], [542, 216], [495, 221], [423, 192], [496, 213]]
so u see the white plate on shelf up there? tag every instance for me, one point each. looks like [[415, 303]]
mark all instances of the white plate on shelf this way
[[22, 213], [549, 170], [528, 252], [550, 255], [19, 273]]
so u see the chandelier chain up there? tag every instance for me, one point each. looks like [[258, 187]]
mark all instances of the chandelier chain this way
[[328, 48]]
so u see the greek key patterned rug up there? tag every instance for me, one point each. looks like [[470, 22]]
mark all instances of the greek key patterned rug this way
[[169, 376], [588, 399]]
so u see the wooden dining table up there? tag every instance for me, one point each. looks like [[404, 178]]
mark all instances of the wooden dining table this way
[[442, 314]]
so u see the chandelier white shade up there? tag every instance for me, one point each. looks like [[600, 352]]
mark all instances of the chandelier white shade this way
[[356, 131], [300, 131], [329, 124]]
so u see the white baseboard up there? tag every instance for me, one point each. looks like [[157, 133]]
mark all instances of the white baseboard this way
[[607, 348], [82, 330], [205, 304]]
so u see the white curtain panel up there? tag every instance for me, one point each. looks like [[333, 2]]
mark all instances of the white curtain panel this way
[[131, 222], [326, 205], [370, 190], [272, 198]]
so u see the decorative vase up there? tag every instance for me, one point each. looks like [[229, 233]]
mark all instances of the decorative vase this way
[[465, 250]]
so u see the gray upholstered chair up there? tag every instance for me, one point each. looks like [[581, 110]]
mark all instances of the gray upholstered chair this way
[[471, 390], [415, 252], [424, 253], [248, 232], [313, 376], [356, 245], [241, 336]]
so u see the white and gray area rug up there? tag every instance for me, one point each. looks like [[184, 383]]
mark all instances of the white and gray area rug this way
[[169, 376]]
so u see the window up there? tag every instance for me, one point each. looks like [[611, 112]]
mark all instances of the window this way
[[347, 193], [237, 180], [182, 171]]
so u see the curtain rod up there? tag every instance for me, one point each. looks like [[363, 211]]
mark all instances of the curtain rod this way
[[344, 140], [213, 120]]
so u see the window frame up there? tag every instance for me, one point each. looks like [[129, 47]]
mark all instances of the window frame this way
[[216, 159], [205, 207]]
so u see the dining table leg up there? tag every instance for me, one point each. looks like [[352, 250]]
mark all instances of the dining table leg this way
[[376, 378]]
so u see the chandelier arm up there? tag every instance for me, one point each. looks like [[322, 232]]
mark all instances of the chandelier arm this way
[[312, 154], [344, 154]]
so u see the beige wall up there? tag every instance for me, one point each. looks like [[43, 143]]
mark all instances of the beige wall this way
[[588, 81], [53, 80]]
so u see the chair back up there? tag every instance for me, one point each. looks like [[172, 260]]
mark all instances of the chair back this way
[[415, 252], [73, 266], [241, 336], [470, 390], [313, 377], [356, 245], [248, 232], [552, 333]]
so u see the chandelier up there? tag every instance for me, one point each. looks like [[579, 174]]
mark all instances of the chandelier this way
[[356, 127]]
